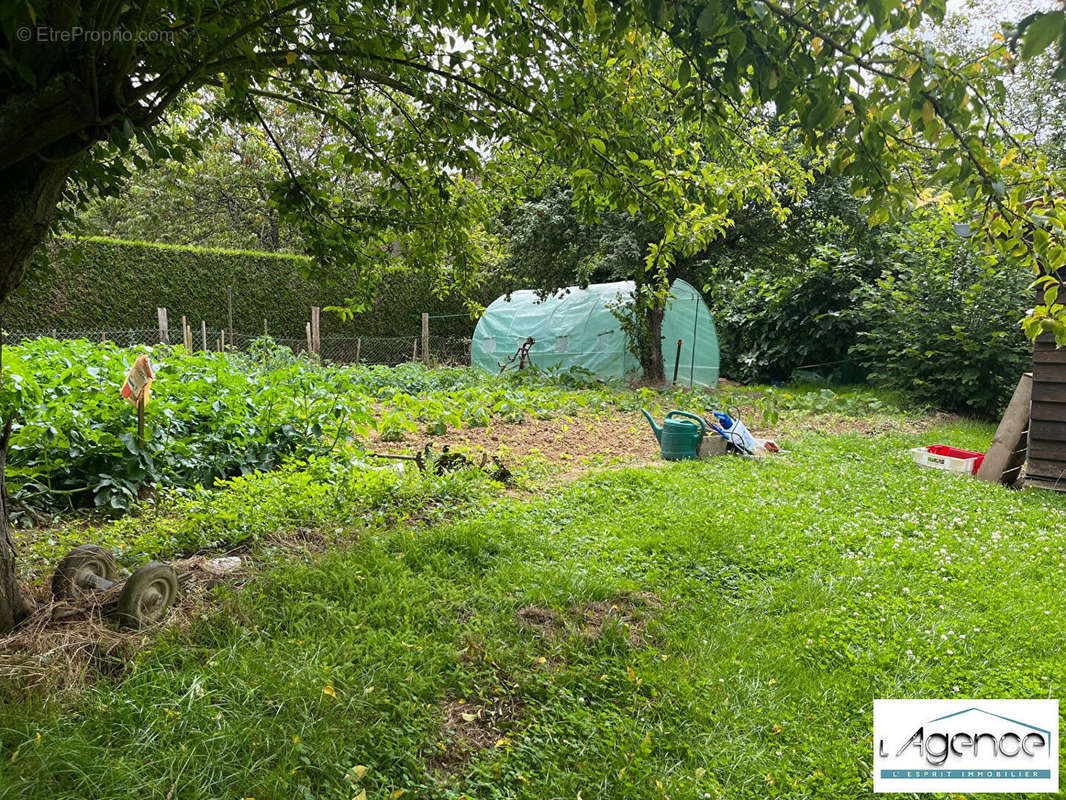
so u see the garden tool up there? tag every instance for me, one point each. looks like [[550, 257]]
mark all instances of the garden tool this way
[[680, 434]]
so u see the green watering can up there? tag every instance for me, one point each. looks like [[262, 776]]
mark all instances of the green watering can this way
[[679, 439]]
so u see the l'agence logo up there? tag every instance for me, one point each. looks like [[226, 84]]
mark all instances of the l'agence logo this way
[[966, 745]]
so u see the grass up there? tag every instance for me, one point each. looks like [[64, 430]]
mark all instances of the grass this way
[[759, 608]]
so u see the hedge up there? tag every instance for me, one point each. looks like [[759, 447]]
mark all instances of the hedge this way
[[99, 284]]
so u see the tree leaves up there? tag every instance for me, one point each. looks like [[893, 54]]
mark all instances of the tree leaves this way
[[1042, 31]]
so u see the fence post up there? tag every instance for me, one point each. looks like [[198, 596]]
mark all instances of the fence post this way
[[358, 347], [414, 352], [164, 332], [203, 333], [425, 338], [229, 312], [185, 333], [316, 330], [309, 351], [265, 328]]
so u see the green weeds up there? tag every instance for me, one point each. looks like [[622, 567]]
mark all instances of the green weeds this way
[[321, 493]]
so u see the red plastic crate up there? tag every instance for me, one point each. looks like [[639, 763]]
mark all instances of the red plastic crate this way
[[946, 457]]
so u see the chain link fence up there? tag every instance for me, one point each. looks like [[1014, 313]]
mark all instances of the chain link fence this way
[[388, 350]]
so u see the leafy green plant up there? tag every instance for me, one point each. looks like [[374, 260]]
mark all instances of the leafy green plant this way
[[946, 330], [772, 320], [211, 417], [829, 401]]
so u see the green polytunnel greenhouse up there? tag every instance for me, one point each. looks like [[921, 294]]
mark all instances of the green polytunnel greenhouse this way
[[575, 328]]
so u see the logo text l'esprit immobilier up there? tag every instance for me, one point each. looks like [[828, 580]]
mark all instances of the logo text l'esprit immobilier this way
[[966, 745]]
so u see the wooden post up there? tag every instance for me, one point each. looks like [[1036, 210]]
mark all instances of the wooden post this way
[[358, 347], [185, 333], [425, 338], [140, 419], [414, 351], [309, 350], [222, 339], [316, 330], [229, 312], [164, 331], [1004, 458], [203, 333], [265, 328]]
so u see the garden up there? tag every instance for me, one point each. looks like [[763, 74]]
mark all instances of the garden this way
[[596, 621], [406, 511]]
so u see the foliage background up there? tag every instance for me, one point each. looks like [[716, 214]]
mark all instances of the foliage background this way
[[942, 322], [909, 306]]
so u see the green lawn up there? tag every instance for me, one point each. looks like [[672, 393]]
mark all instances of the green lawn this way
[[714, 629]]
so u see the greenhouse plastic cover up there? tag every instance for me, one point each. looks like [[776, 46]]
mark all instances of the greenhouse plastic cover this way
[[575, 328]]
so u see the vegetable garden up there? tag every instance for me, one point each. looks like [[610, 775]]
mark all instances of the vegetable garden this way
[[215, 416]]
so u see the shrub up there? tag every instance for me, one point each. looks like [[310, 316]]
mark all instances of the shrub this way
[[943, 323], [217, 416], [110, 284], [774, 320]]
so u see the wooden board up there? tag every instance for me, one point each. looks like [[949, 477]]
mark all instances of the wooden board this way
[[1051, 412], [1005, 456], [1049, 355], [1047, 430], [1050, 373], [1047, 450], [1045, 465], [1045, 482], [1047, 392]]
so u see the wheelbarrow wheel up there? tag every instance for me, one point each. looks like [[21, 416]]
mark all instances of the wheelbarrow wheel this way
[[147, 595], [83, 568]]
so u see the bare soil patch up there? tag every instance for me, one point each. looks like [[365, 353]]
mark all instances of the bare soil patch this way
[[629, 612], [469, 727], [544, 621], [620, 438], [576, 445]]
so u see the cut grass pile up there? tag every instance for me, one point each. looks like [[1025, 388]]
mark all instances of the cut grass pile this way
[[713, 629]]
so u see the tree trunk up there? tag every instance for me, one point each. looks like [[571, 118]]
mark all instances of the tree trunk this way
[[12, 604], [28, 197], [29, 192], [651, 345]]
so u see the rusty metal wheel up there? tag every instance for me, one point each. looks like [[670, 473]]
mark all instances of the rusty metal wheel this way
[[85, 568], [147, 595]]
